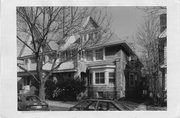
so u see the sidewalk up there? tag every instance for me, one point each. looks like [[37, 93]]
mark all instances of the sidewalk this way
[[61, 104], [144, 106]]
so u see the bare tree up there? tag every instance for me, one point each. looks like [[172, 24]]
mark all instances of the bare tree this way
[[147, 37], [44, 24]]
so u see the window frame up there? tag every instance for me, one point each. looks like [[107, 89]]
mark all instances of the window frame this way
[[99, 53], [100, 83], [110, 78], [87, 52]]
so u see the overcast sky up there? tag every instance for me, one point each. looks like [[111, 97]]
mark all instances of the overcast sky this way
[[125, 20]]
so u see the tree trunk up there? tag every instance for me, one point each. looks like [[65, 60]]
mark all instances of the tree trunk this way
[[42, 90]]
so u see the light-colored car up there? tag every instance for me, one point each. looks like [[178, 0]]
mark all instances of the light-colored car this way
[[98, 105]]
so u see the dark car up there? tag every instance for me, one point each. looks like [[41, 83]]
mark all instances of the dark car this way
[[98, 105], [31, 103]]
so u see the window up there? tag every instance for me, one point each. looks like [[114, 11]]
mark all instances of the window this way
[[46, 58], [33, 60], [68, 54], [63, 56], [99, 54], [26, 61], [86, 105], [107, 106], [111, 77], [85, 37], [99, 78], [89, 55], [96, 35], [91, 36], [131, 80]]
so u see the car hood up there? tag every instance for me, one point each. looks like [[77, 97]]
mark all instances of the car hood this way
[[37, 103]]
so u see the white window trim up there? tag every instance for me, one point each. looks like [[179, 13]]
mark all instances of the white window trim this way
[[92, 55], [106, 77], [94, 78], [103, 49], [114, 78]]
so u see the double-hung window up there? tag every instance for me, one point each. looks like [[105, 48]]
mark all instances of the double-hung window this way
[[111, 78], [89, 55], [99, 54], [100, 78]]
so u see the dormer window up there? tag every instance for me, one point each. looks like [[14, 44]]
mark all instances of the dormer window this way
[[91, 36], [26, 61]]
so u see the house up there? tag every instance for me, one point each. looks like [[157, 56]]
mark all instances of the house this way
[[163, 52], [107, 64]]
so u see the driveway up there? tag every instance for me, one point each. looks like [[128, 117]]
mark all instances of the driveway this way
[[60, 105]]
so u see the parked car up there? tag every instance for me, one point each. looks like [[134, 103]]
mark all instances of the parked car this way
[[98, 105], [31, 103]]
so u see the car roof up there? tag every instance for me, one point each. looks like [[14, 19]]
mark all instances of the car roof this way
[[100, 100], [120, 106]]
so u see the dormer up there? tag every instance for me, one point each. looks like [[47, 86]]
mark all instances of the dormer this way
[[90, 30]]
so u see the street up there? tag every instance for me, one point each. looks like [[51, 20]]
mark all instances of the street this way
[[54, 108]]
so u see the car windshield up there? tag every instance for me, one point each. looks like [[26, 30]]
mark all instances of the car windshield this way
[[32, 98], [107, 106], [122, 106], [87, 105]]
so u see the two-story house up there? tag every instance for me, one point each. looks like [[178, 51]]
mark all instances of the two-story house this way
[[163, 51], [107, 64]]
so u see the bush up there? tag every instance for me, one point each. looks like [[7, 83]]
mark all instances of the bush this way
[[64, 89]]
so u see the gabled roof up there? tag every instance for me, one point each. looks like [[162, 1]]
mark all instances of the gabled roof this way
[[87, 22], [52, 45], [105, 42]]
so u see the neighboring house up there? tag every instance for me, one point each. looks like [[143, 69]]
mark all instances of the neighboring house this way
[[105, 63], [163, 51]]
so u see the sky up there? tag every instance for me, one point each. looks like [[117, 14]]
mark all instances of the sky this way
[[125, 24], [126, 20]]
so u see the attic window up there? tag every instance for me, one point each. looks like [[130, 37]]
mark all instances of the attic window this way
[[85, 37], [91, 36], [26, 61]]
